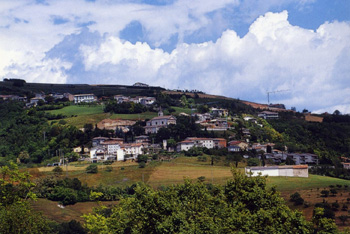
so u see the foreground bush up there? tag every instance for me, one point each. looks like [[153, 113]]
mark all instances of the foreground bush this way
[[243, 205]]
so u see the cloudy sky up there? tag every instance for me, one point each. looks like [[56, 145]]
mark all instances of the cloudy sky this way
[[237, 48]]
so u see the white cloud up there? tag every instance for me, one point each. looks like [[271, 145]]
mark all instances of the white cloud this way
[[274, 55]]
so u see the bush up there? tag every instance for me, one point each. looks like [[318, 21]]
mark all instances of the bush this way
[[296, 198], [345, 207], [202, 158], [109, 169], [58, 170], [92, 169], [324, 193], [142, 158], [107, 162], [142, 165], [253, 162], [201, 178], [335, 206]]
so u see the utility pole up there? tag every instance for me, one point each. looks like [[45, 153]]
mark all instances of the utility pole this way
[[276, 91]]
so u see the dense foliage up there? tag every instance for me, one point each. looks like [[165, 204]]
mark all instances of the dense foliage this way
[[243, 205], [26, 134], [328, 139], [70, 191], [16, 215]]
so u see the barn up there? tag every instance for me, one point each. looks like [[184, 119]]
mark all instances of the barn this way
[[288, 170]]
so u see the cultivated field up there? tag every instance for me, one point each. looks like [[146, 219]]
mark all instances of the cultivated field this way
[[158, 173]]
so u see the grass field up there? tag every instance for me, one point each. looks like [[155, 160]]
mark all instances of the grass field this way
[[298, 183], [51, 210], [78, 110], [145, 115], [175, 171], [78, 116]]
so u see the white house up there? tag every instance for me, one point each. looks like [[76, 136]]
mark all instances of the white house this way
[[111, 146], [268, 115], [78, 98], [132, 149], [153, 125], [209, 143], [98, 153]]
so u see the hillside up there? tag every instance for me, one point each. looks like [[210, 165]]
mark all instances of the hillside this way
[[13, 87]]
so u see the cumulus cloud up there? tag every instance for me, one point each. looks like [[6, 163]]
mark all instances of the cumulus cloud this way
[[80, 41], [274, 55]]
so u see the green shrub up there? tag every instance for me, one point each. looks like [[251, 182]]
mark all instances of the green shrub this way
[[58, 170], [142, 165], [92, 169], [253, 162]]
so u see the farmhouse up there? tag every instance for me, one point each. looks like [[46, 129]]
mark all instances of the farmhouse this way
[[291, 171]]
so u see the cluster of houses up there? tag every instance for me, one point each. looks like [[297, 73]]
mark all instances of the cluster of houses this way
[[146, 101], [274, 155], [104, 148], [209, 143], [216, 120]]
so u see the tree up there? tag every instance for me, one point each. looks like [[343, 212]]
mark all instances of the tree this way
[[343, 218], [325, 193], [58, 170], [253, 162], [333, 191], [16, 215], [297, 199], [92, 169], [243, 205], [323, 225], [336, 112]]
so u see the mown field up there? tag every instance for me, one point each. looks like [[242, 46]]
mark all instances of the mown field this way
[[78, 116]]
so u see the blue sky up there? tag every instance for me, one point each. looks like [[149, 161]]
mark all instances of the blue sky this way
[[236, 48]]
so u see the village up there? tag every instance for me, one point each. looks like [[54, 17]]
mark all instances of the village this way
[[216, 119]]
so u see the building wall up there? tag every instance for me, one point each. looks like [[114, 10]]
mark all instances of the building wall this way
[[278, 171], [300, 173]]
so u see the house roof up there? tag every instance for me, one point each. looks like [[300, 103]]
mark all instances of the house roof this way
[[219, 139], [88, 94], [280, 167], [100, 138], [269, 113], [110, 142]]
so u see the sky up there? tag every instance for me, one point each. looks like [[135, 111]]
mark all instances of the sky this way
[[298, 50]]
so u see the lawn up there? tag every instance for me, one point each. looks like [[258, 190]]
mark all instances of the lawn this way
[[299, 183], [179, 110], [51, 210], [78, 110], [141, 116], [78, 116]]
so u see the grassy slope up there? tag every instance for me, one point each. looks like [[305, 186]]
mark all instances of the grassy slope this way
[[171, 172], [312, 182], [78, 110], [85, 115], [145, 115]]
